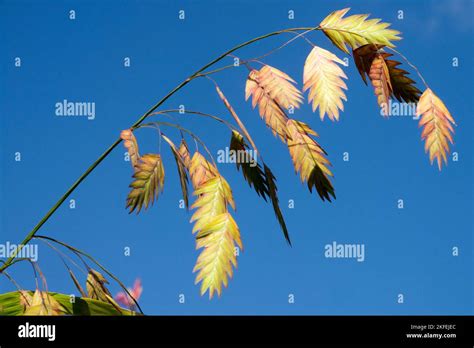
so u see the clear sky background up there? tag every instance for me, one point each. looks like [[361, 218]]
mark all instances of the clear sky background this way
[[407, 251]]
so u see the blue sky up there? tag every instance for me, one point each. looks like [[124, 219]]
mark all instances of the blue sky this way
[[407, 251]]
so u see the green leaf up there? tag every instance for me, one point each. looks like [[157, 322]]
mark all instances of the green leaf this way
[[10, 305]]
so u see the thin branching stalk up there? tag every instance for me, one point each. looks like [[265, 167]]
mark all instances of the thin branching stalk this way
[[410, 64], [19, 288], [11, 279], [77, 251], [64, 256], [298, 34], [198, 113], [195, 137]]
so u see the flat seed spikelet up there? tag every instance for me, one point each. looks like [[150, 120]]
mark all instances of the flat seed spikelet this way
[[131, 144], [200, 170], [95, 285], [280, 87], [184, 153], [216, 231], [148, 184], [363, 58], [437, 126], [309, 159], [214, 264], [273, 193], [182, 169], [213, 197], [42, 303], [380, 77], [251, 170], [324, 79], [274, 92], [97, 290], [403, 87], [357, 30]]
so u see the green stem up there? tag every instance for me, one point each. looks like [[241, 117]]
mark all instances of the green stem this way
[[53, 209], [77, 251]]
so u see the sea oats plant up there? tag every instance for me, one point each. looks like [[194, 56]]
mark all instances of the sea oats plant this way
[[273, 93]]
